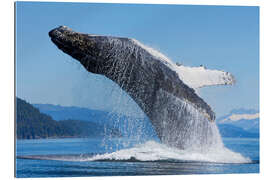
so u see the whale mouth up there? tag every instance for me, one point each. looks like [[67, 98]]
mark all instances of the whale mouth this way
[[59, 37], [65, 37], [83, 47], [60, 31], [76, 45]]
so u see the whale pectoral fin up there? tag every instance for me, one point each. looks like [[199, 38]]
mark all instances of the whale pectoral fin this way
[[197, 77]]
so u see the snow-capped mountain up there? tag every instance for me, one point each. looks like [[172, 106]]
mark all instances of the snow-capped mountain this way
[[248, 119]]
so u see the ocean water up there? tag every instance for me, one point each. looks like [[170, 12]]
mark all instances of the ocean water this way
[[114, 157]]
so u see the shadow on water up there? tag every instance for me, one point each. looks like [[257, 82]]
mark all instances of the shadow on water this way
[[85, 157], [52, 168]]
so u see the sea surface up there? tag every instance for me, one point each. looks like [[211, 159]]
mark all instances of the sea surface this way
[[76, 157]]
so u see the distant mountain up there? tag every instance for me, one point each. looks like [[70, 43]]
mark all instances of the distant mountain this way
[[247, 119], [229, 125], [63, 113], [31, 124], [128, 126], [227, 130]]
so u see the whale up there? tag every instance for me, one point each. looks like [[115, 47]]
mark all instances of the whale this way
[[165, 91]]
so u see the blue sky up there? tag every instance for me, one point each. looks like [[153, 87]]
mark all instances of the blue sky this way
[[219, 37]]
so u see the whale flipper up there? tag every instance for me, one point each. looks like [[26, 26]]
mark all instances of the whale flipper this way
[[197, 77], [163, 90]]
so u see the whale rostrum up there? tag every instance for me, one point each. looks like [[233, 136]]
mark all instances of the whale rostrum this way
[[153, 81]]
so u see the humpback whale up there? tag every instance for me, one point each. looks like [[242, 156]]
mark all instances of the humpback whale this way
[[165, 91]]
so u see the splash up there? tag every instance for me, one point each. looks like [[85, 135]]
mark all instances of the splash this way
[[153, 151], [193, 131]]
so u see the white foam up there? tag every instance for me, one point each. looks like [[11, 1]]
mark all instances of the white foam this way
[[153, 151]]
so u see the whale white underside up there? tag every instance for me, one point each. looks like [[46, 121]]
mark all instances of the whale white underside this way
[[194, 77]]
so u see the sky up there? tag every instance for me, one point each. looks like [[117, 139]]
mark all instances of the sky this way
[[219, 37]]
